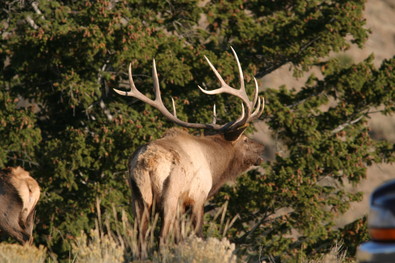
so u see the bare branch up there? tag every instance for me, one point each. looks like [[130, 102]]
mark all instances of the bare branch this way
[[31, 22], [346, 124]]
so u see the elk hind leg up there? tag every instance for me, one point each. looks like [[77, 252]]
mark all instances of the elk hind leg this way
[[197, 218], [141, 212], [14, 230], [169, 215], [29, 224]]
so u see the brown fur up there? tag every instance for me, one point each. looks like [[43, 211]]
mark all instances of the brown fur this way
[[19, 194], [181, 170]]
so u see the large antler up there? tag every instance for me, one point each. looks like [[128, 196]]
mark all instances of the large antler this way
[[248, 114]]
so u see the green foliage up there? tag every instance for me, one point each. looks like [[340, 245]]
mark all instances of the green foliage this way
[[353, 234], [64, 58], [323, 149], [18, 131]]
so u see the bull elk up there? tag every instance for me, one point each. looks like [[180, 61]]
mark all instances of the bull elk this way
[[19, 194], [180, 170]]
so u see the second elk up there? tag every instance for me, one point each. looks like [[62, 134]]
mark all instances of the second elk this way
[[180, 170], [19, 194]]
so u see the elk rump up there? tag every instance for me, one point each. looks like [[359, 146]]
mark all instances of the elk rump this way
[[19, 194]]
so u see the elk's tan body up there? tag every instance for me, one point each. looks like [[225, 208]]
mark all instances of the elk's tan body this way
[[181, 170], [184, 170], [19, 194]]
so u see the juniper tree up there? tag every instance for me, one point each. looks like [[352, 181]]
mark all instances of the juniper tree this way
[[64, 58]]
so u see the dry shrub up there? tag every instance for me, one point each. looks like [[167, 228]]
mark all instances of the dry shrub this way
[[197, 250], [120, 243], [336, 255], [14, 253], [97, 248]]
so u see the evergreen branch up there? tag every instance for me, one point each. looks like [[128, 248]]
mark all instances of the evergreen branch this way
[[30, 20], [284, 60], [313, 94], [244, 237], [344, 125], [36, 9], [264, 219], [28, 161]]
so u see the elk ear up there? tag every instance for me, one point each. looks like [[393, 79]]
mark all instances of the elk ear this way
[[235, 135]]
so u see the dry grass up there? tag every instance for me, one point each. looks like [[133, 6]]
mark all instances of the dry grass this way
[[104, 245], [336, 255], [119, 243], [97, 248], [197, 250], [14, 253]]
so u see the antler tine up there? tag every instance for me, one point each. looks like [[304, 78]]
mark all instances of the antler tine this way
[[261, 101], [225, 88], [174, 107], [131, 82], [214, 114], [255, 93], [240, 93], [263, 107], [259, 109], [237, 124], [134, 92], [247, 106], [241, 75], [158, 103], [158, 97]]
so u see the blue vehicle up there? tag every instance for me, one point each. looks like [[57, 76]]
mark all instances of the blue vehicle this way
[[381, 225]]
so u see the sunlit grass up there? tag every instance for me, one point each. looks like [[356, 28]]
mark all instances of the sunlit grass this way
[[115, 239], [15, 253]]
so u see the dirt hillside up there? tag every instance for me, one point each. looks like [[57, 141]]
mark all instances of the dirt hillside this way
[[380, 19]]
